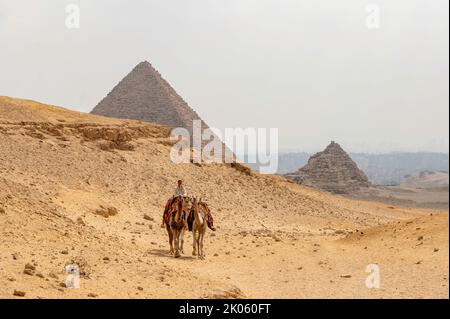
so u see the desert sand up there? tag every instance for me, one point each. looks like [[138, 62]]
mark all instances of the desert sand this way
[[405, 196], [85, 189]]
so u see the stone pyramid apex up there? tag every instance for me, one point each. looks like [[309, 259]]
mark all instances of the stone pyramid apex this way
[[144, 95], [333, 146]]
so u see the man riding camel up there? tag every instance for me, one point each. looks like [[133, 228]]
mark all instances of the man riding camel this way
[[181, 191]]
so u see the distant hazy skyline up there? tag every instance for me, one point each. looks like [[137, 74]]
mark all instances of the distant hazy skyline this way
[[314, 69]]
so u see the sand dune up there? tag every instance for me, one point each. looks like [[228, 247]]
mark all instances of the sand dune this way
[[61, 172]]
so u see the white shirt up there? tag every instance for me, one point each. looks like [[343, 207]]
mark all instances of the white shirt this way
[[180, 191]]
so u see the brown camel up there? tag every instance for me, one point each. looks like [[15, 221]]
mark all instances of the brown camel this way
[[199, 227], [177, 224]]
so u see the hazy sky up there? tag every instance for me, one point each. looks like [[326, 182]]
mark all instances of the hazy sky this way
[[312, 68]]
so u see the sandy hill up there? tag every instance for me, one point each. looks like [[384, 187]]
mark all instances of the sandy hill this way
[[427, 179], [20, 110], [79, 188], [332, 170]]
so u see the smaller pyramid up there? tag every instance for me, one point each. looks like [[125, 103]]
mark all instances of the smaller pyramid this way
[[331, 170]]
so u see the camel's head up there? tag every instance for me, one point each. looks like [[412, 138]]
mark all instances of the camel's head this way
[[195, 203], [203, 207], [185, 202], [182, 207]]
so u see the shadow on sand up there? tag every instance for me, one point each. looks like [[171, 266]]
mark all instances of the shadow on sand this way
[[165, 253]]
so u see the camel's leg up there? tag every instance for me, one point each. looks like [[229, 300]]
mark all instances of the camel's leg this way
[[177, 243], [169, 231], [202, 235], [182, 240], [197, 239], [194, 252]]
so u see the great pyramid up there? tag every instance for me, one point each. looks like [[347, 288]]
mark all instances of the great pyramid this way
[[331, 170], [144, 95]]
